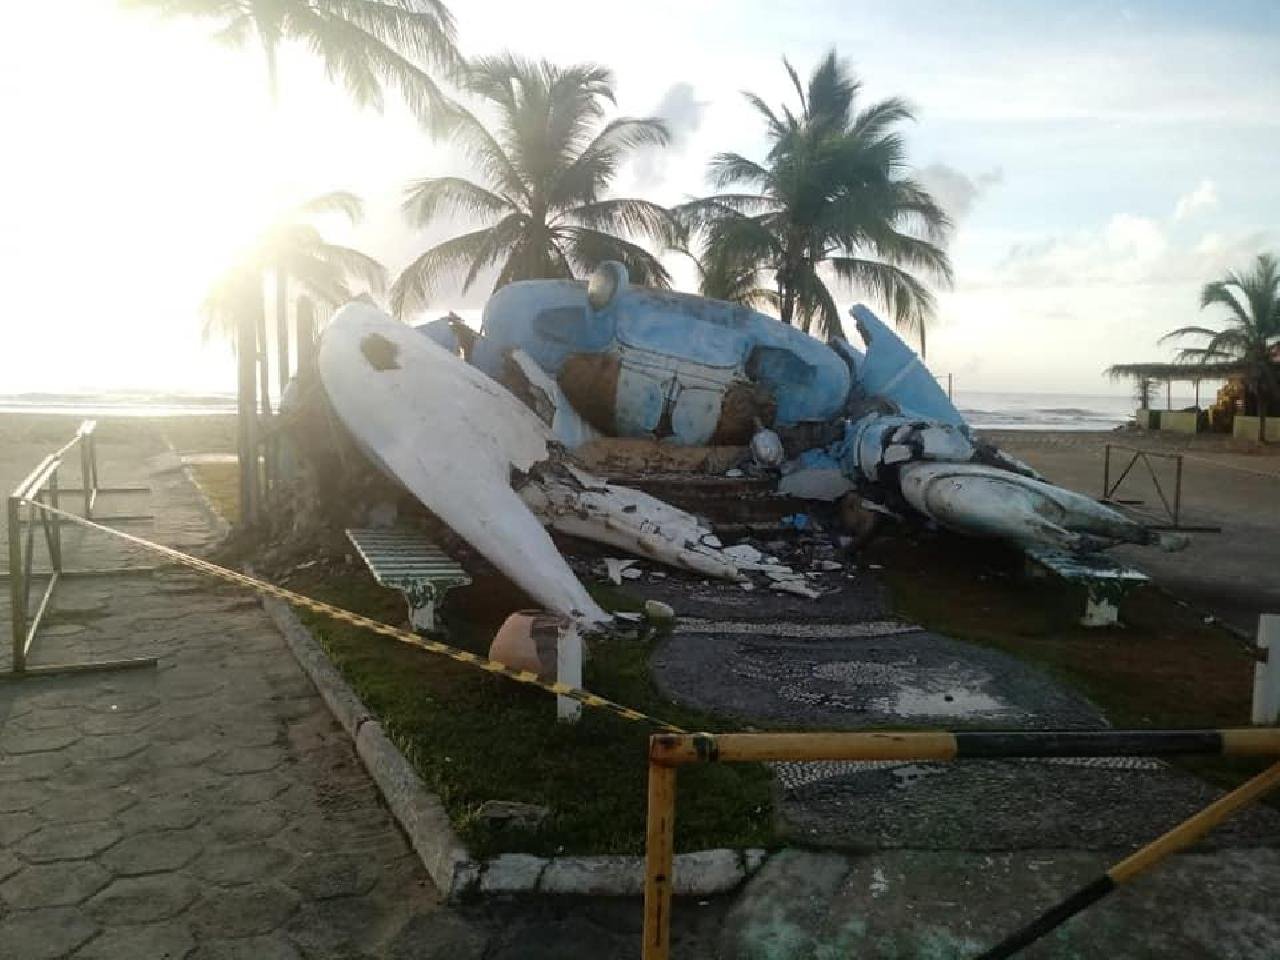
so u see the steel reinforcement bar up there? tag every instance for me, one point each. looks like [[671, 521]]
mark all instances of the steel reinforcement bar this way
[[668, 752]]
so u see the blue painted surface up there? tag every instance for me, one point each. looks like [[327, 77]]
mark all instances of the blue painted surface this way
[[676, 350], [891, 369]]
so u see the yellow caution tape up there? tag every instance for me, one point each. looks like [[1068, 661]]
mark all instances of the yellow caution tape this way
[[346, 616]]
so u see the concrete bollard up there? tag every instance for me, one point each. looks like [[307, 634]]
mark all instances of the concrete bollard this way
[[569, 671], [1266, 675]]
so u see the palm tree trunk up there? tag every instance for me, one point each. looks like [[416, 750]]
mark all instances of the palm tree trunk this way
[[246, 421], [924, 347], [282, 326]]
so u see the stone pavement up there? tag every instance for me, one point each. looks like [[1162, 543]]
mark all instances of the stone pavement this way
[[211, 808], [207, 808]]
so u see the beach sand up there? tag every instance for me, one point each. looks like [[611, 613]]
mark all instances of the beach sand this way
[[1233, 575]]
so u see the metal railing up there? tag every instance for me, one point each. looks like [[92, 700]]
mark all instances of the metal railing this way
[[1172, 508], [668, 752], [41, 486]]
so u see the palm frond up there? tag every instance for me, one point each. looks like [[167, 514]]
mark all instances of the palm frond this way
[[337, 201], [730, 169], [433, 197], [628, 216], [421, 280], [586, 249], [908, 301]]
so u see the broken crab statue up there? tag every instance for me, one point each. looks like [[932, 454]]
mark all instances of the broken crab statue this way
[[488, 467], [606, 358]]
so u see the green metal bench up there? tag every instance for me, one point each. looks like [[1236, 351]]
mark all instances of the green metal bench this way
[[1105, 581], [408, 561]]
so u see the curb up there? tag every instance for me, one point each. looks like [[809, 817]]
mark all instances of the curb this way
[[425, 821], [422, 816]]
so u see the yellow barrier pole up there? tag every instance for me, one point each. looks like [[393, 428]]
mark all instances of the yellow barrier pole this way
[[1179, 838], [659, 861]]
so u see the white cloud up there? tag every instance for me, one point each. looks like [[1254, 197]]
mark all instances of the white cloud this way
[[1203, 197], [683, 113], [955, 190]]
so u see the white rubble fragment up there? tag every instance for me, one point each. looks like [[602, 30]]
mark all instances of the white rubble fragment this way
[[815, 483], [798, 587], [830, 565], [743, 553], [617, 569], [632, 573]]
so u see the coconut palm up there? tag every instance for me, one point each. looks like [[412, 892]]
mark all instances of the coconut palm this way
[[831, 198], [1252, 335], [722, 277], [544, 167], [295, 248], [365, 44]]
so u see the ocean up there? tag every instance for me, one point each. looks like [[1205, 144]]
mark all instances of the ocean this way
[[992, 410]]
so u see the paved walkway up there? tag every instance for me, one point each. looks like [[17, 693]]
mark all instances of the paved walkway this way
[[207, 808], [212, 808]]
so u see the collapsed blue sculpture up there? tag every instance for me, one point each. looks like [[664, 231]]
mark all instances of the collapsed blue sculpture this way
[[606, 358]]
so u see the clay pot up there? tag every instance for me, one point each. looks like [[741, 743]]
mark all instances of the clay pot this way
[[527, 640]]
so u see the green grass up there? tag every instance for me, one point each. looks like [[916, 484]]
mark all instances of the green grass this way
[[221, 484], [1163, 667], [474, 737]]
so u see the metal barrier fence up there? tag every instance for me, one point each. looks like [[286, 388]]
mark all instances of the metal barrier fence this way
[[23, 515], [1172, 509], [668, 752]]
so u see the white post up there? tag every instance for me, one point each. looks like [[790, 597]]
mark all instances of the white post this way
[[569, 671], [1266, 675]]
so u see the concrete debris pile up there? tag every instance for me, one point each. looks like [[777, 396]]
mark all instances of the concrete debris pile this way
[[516, 431]]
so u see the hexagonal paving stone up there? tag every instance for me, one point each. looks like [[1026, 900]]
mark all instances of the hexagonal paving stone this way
[[330, 875], [143, 899], [32, 766], [151, 853], [44, 934], [250, 788], [155, 941], [246, 823], [100, 724], [75, 841], [438, 935], [231, 866], [249, 760], [9, 865], [17, 742], [123, 702], [183, 753], [15, 826], [53, 884], [242, 911], [20, 796], [272, 947], [160, 813], [111, 746], [338, 928], [77, 806]]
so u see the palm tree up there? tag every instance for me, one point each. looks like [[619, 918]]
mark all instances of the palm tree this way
[[366, 44], [292, 247], [832, 196], [735, 280], [544, 168], [1252, 335]]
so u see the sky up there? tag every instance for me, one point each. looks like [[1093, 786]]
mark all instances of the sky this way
[[1102, 161]]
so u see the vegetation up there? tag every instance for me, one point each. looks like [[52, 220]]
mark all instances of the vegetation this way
[[1252, 335], [831, 198], [546, 165], [1164, 668], [365, 44], [292, 247], [473, 737]]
